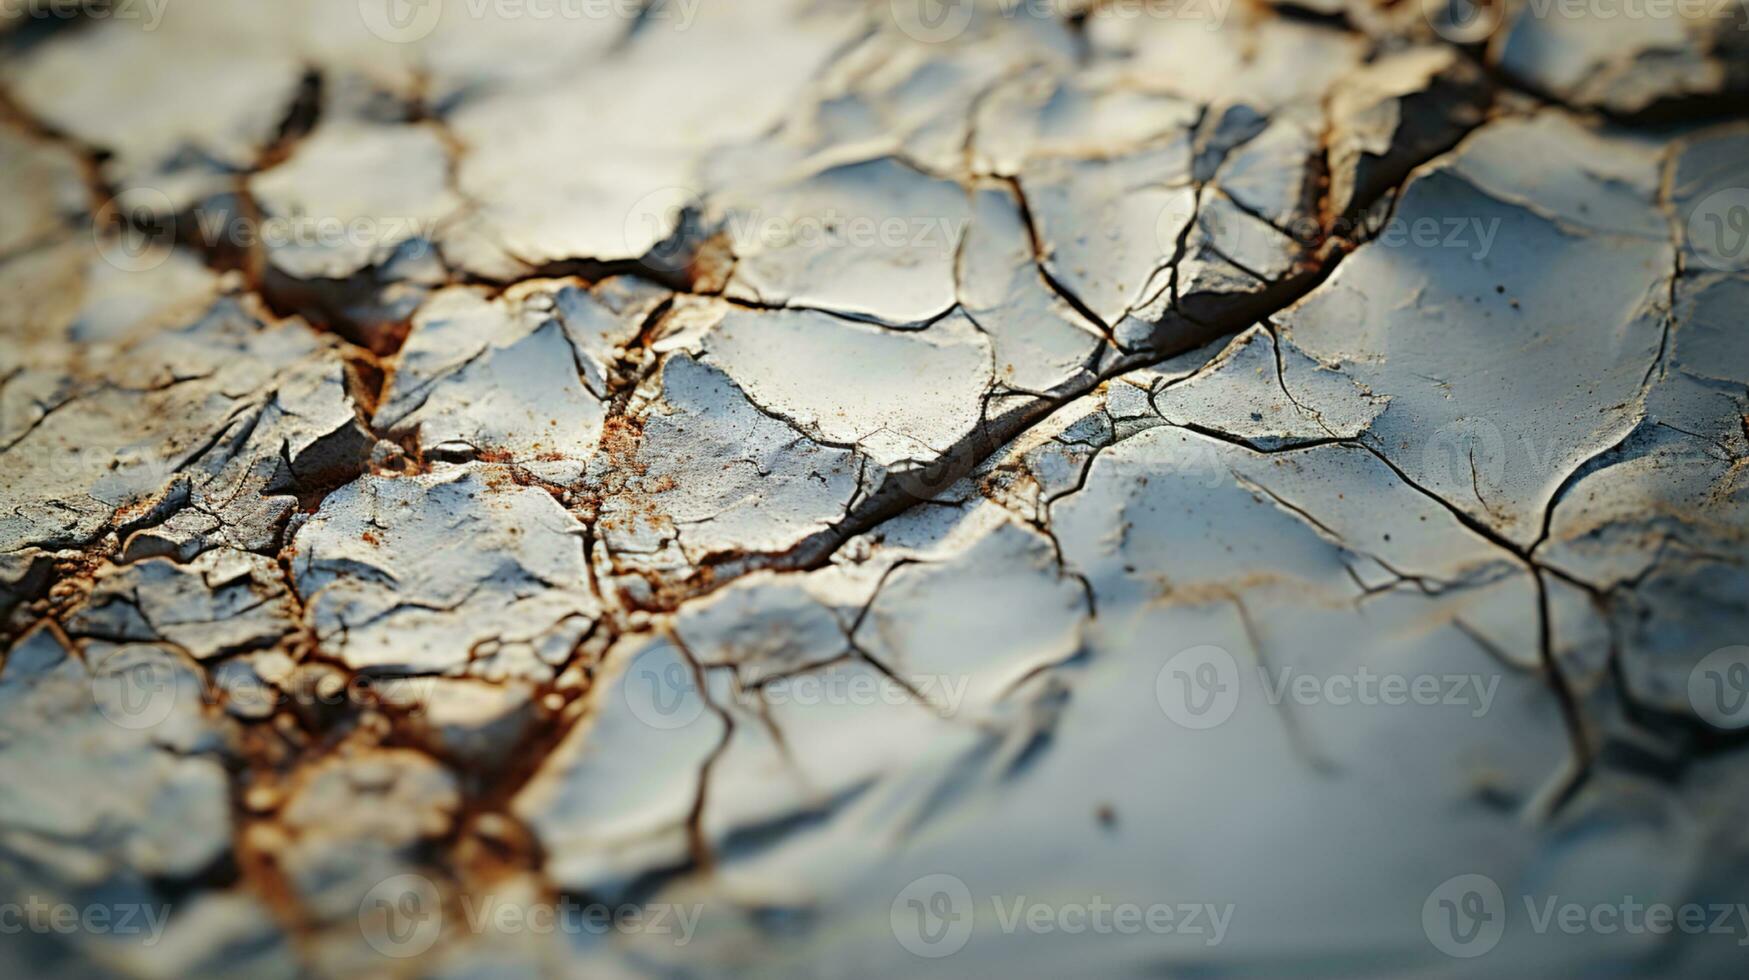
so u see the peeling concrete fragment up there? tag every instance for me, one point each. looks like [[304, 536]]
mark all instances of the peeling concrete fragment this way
[[618, 198], [1670, 624], [179, 108], [44, 190], [24, 575], [764, 625], [1040, 342], [769, 486], [115, 772], [1042, 115], [222, 602], [254, 684], [1140, 200], [354, 820], [979, 623], [456, 326], [895, 395], [222, 414], [1245, 393], [1263, 164], [351, 196], [476, 723], [521, 403], [390, 571], [452, 52], [612, 801], [100, 289], [1258, 59], [1591, 60], [1461, 354], [873, 240], [1675, 485], [1394, 113]]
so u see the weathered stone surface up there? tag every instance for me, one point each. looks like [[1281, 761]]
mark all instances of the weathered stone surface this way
[[872, 487]]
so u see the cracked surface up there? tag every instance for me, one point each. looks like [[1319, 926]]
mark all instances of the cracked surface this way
[[750, 458]]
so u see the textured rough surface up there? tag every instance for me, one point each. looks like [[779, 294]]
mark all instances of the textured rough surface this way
[[822, 487]]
